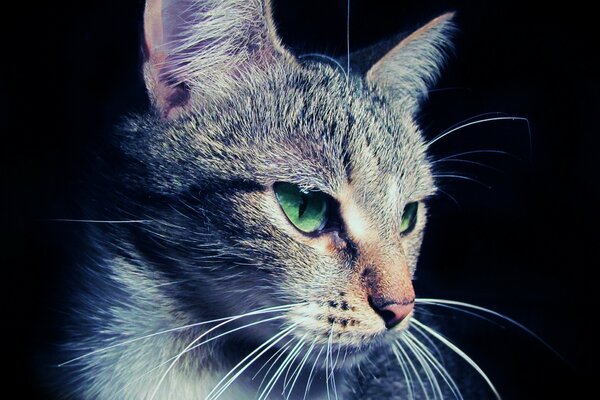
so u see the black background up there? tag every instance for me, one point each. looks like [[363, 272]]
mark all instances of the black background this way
[[522, 242]]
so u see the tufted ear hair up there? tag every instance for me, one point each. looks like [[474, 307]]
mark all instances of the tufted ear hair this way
[[196, 48], [409, 69]]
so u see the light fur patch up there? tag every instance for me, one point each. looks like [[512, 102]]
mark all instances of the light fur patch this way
[[393, 190], [357, 223]]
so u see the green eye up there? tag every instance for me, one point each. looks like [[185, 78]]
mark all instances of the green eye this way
[[409, 217], [306, 210]]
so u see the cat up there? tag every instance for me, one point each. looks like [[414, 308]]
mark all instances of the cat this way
[[272, 208]]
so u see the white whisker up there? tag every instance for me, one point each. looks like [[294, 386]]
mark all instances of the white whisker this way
[[466, 153], [475, 117], [463, 161], [194, 344], [329, 363], [180, 328], [263, 348], [338, 355], [461, 353], [345, 355], [360, 371], [298, 370], [480, 121], [131, 381], [273, 381], [466, 178], [474, 314], [434, 346], [334, 364], [98, 221], [104, 349], [413, 368], [277, 354], [409, 382], [457, 304], [434, 362], [433, 382], [274, 363], [449, 196], [287, 377], [309, 380]]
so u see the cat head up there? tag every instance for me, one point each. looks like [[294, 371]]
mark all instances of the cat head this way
[[275, 181]]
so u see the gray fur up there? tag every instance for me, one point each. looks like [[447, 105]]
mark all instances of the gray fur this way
[[214, 242]]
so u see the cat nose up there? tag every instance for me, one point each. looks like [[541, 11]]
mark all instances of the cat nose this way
[[392, 313]]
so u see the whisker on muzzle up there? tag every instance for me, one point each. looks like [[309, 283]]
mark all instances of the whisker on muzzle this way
[[426, 329]]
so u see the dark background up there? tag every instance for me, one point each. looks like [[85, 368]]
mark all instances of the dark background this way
[[522, 242]]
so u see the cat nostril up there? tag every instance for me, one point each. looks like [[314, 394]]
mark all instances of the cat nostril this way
[[392, 313]]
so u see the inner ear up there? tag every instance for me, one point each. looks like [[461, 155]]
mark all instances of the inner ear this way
[[199, 48]]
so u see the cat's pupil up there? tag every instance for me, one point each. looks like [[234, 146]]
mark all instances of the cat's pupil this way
[[303, 205]]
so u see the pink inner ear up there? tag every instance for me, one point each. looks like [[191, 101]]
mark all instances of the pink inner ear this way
[[196, 46], [166, 27], [153, 29], [168, 98]]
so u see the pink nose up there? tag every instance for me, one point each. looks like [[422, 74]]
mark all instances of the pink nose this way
[[392, 313]]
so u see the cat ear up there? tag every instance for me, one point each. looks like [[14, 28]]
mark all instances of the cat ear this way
[[194, 48], [413, 65]]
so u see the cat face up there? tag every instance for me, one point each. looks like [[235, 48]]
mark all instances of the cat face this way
[[282, 182]]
